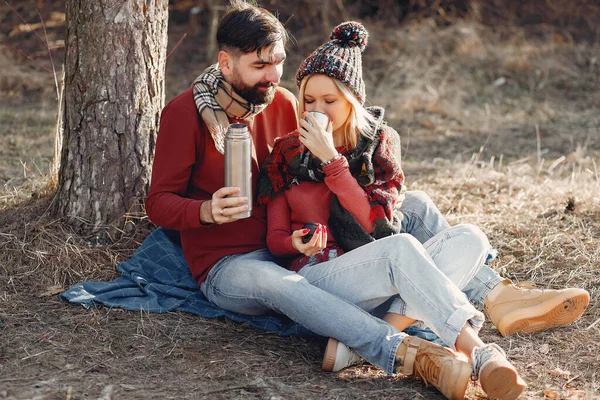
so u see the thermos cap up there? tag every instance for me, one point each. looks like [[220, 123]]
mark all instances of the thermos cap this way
[[313, 227]]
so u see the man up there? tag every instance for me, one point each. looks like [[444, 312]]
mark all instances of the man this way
[[187, 177]]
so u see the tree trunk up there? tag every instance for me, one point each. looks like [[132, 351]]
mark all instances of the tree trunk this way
[[114, 93], [211, 47]]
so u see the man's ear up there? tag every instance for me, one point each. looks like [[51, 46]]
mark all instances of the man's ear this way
[[225, 63]]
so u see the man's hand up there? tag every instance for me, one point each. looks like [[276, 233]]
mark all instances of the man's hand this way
[[221, 208]]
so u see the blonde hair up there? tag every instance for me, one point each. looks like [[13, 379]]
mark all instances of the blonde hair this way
[[359, 122]]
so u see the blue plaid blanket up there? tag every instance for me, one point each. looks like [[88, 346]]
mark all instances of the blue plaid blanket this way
[[157, 279]]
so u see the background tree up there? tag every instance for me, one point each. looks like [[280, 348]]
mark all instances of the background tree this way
[[113, 95]]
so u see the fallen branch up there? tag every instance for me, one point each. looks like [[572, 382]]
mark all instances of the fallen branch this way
[[229, 389], [593, 324]]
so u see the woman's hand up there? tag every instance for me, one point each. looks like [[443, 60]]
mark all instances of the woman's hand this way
[[318, 140], [315, 245]]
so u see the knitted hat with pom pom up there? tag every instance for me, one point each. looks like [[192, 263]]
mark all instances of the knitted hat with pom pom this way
[[340, 58]]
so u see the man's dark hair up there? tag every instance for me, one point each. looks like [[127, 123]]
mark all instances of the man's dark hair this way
[[248, 28]]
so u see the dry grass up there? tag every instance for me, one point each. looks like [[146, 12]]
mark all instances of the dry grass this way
[[500, 128], [27, 120], [19, 78]]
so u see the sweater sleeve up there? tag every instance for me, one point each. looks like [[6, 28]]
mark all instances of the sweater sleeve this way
[[279, 232], [174, 159], [350, 194]]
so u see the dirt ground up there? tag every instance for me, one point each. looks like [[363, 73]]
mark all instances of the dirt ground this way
[[500, 125]]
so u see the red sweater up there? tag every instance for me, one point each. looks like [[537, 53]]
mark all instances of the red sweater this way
[[188, 169], [310, 202]]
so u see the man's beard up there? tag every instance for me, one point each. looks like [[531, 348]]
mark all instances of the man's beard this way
[[252, 94]]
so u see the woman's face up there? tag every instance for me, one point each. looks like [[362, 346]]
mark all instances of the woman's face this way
[[321, 94]]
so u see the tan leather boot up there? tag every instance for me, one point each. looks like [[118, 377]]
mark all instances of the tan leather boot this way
[[435, 365], [522, 308]]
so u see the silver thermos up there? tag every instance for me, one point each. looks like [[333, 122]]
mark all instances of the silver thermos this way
[[238, 163]]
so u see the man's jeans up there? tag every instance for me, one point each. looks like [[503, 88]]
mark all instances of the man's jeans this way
[[333, 299], [423, 220]]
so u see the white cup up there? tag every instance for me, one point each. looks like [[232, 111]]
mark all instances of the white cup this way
[[321, 118]]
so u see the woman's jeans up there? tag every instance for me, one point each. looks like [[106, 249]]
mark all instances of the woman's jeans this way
[[333, 299], [423, 220]]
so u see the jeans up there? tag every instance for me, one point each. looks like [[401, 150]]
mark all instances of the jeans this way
[[333, 298], [423, 220], [459, 253]]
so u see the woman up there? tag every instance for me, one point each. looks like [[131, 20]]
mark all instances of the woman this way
[[511, 308], [346, 178]]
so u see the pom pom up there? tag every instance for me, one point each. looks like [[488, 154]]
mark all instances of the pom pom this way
[[350, 34]]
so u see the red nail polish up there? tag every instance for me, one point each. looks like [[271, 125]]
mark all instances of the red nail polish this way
[[305, 231]]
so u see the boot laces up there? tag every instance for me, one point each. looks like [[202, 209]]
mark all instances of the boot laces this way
[[427, 364], [481, 355]]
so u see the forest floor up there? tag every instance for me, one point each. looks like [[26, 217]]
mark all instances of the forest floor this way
[[500, 126]]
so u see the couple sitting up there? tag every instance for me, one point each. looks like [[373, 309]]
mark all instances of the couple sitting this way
[[374, 242]]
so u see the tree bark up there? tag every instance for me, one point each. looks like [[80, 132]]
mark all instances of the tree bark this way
[[114, 93], [211, 47]]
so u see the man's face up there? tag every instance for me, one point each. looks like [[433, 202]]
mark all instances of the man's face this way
[[255, 77]]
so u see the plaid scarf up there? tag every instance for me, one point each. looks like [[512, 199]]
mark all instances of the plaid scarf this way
[[375, 164], [216, 100]]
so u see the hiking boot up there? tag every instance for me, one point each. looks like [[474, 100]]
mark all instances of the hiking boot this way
[[435, 365], [522, 308], [339, 356], [498, 378]]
